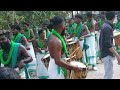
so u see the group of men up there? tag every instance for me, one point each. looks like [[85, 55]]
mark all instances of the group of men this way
[[22, 52]]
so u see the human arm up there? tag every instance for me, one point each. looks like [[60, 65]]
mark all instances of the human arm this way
[[55, 48], [27, 58], [32, 36], [25, 42]]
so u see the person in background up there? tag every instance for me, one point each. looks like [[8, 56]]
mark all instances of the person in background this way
[[90, 41], [8, 73], [58, 50], [107, 50]]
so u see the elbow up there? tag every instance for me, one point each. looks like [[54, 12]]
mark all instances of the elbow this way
[[57, 62]]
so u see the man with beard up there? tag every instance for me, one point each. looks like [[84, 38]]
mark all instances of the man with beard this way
[[58, 50], [18, 37], [13, 55]]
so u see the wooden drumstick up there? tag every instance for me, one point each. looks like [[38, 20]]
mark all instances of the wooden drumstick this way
[[74, 51]]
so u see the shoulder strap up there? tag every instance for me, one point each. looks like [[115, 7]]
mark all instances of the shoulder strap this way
[[18, 40], [15, 54]]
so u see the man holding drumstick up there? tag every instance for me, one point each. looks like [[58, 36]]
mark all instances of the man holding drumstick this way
[[57, 46]]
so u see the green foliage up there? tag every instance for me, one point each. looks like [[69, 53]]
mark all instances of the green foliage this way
[[35, 18]]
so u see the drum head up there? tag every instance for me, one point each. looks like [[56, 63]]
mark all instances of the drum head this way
[[78, 64], [46, 56], [70, 43]]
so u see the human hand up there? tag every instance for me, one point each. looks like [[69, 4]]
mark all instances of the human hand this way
[[21, 64], [75, 68], [28, 47]]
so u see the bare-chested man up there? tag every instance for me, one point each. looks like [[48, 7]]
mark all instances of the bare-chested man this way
[[90, 41], [57, 47], [13, 55], [29, 34], [81, 33], [41, 50], [18, 37]]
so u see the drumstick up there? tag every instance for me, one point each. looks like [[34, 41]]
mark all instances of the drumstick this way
[[74, 51]]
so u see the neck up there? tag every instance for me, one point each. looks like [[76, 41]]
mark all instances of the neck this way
[[26, 29], [59, 31], [110, 21], [42, 38], [16, 34]]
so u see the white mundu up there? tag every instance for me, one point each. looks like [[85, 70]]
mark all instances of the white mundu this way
[[53, 70], [41, 70], [32, 65]]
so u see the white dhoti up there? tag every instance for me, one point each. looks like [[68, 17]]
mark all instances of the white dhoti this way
[[84, 57], [42, 72], [91, 52], [32, 65], [97, 44], [53, 70]]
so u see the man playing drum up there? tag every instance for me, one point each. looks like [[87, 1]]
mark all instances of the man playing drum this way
[[90, 41], [98, 26], [57, 46], [81, 32], [41, 50], [18, 37], [29, 34], [13, 55]]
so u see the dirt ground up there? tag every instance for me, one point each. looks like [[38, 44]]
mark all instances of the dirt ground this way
[[99, 74]]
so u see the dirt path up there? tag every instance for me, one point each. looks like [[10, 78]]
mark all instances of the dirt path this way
[[100, 73]]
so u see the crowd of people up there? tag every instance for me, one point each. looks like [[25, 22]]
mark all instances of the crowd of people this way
[[22, 50]]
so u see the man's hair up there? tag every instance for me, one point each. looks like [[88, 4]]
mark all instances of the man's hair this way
[[41, 31], [110, 15], [7, 33], [89, 14], [26, 23], [79, 16], [8, 73], [16, 26], [56, 21]]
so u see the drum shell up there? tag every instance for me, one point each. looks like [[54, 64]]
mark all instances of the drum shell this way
[[46, 61]]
